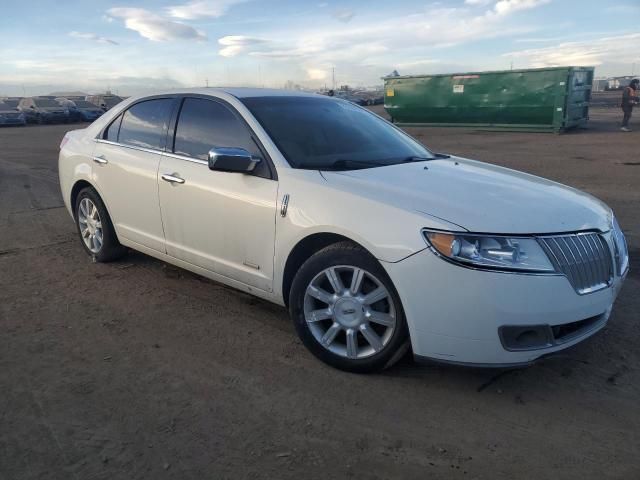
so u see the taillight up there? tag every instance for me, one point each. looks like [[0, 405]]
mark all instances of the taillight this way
[[65, 139]]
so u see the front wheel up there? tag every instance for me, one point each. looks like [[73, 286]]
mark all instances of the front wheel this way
[[347, 311], [95, 228]]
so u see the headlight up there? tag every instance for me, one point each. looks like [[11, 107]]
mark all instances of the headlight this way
[[518, 254]]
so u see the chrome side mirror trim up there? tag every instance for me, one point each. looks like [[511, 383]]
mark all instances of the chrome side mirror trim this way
[[232, 159]]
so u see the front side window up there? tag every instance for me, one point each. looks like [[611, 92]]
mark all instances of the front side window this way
[[206, 124], [331, 134], [145, 124]]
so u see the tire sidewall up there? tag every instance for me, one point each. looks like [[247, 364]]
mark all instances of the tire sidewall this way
[[351, 256], [111, 248]]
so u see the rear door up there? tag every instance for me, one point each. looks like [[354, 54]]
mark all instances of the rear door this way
[[221, 221], [126, 161]]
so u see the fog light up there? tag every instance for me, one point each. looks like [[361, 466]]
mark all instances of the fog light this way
[[527, 337]]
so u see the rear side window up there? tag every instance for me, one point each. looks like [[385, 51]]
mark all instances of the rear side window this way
[[145, 124], [206, 124], [111, 133]]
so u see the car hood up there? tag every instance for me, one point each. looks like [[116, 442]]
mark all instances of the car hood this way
[[478, 197]]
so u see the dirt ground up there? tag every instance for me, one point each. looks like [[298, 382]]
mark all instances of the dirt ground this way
[[138, 370]]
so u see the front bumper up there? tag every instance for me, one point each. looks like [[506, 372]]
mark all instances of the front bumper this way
[[455, 314]]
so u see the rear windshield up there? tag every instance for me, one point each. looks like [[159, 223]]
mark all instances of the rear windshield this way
[[46, 102], [330, 134]]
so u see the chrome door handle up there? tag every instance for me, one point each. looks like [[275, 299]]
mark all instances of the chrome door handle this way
[[100, 159], [172, 178]]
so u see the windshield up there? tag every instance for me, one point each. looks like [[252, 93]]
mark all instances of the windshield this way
[[330, 134], [46, 102], [10, 103]]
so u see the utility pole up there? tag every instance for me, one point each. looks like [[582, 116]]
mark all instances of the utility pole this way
[[333, 77]]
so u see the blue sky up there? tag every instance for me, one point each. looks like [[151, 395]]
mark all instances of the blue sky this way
[[136, 46]]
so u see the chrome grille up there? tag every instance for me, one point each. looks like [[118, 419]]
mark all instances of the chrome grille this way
[[585, 258]]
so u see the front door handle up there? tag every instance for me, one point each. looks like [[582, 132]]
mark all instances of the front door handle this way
[[172, 178], [100, 159]]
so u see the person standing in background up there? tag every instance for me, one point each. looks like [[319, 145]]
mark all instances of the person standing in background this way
[[629, 99]]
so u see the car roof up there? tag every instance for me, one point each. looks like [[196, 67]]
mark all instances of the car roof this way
[[241, 92]]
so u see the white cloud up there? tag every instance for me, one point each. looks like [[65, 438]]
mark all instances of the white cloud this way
[[316, 74], [236, 44], [201, 9], [618, 49], [155, 27], [344, 15], [505, 7], [92, 36]]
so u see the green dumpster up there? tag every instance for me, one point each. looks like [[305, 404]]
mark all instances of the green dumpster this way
[[541, 99]]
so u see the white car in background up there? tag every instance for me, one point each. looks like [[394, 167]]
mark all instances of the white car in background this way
[[374, 243]]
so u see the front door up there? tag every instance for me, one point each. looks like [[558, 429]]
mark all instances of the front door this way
[[221, 221]]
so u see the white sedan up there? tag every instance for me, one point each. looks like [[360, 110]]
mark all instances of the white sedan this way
[[375, 244]]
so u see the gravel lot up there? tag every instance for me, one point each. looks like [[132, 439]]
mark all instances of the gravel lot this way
[[137, 369]]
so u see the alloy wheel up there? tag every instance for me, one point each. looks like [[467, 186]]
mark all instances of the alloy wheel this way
[[90, 225], [349, 311]]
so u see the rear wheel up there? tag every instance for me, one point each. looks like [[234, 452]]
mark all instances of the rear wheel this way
[[95, 228], [347, 311]]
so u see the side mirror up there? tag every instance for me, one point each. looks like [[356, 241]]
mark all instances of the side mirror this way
[[32, 107], [227, 159]]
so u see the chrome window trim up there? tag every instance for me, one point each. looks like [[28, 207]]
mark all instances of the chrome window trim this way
[[185, 158], [150, 150], [132, 147]]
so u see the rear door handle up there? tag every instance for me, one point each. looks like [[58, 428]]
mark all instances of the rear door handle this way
[[172, 178], [100, 159]]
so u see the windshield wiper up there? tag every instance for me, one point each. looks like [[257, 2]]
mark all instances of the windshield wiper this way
[[416, 158], [344, 163]]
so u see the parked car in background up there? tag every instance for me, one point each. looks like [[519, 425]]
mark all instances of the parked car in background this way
[[74, 115], [80, 110], [373, 242], [105, 102], [43, 110], [86, 111], [351, 97], [10, 115]]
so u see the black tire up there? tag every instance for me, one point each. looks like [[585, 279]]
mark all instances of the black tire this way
[[39, 119], [347, 254], [111, 248]]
